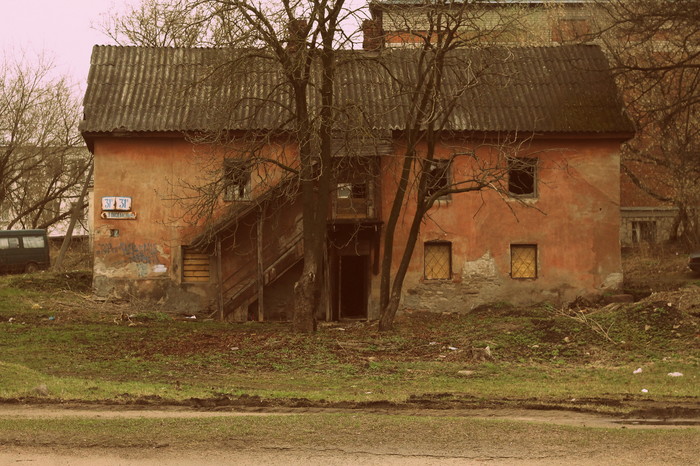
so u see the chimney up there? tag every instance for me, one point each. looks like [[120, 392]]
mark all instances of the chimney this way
[[372, 37]]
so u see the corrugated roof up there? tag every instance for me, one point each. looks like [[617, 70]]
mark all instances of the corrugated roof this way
[[539, 89]]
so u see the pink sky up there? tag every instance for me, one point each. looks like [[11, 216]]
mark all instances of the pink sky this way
[[64, 30], [60, 28]]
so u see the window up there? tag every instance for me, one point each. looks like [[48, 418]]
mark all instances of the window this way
[[438, 260], [33, 242], [522, 176], [236, 180], [352, 200], [195, 266], [644, 232], [523, 261], [9, 243], [438, 176], [352, 191]]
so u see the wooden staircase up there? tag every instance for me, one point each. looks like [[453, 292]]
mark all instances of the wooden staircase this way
[[240, 289]]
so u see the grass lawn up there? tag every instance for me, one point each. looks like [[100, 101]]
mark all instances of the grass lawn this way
[[57, 343]]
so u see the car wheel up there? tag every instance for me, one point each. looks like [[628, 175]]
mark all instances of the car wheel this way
[[31, 268]]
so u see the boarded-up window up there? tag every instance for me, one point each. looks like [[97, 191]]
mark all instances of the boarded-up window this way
[[438, 260], [195, 266], [523, 261]]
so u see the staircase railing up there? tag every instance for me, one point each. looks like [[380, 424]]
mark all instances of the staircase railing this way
[[240, 286]]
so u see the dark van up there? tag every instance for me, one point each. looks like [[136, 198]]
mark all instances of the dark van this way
[[24, 250]]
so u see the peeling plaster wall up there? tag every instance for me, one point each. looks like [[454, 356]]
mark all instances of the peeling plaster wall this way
[[574, 221], [141, 257]]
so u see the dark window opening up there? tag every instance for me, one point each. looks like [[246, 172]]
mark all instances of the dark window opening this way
[[352, 191], [438, 177], [437, 261], [644, 232], [236, 180], [522, 175]]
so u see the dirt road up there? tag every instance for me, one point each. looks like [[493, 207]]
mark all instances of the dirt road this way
[[395, 451]]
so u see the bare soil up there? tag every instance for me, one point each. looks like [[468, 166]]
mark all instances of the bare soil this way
[[394, 451]]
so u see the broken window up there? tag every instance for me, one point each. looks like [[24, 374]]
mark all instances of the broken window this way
[[437, 260], [352, 200], [352, 190], [522, 177], [438, 177], [523, 261], [236, 180], [644, 232]]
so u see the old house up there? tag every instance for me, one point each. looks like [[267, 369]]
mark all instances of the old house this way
[[645, 218], [547, 230]]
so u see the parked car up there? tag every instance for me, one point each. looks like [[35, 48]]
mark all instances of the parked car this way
[[24, 251], [694, 262]]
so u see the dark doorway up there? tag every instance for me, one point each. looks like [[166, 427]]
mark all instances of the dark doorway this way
[[353, 287]]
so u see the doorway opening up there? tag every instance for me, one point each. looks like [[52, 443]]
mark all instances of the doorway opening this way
[[353, 284]]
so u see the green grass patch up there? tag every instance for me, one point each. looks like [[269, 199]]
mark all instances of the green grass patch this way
[[83, 349]]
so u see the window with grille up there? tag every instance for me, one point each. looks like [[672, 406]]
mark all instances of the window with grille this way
[[523, 261], [236, 180], [438, 260], [195, 266], [522, 177]]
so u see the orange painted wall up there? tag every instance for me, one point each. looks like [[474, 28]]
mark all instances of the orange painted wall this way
[[147, 249], [574, 221]]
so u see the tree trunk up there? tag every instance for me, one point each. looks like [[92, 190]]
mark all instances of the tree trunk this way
[[77, 209], [305, 302]]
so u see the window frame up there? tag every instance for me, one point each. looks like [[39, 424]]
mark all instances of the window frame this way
[[429, 244], [523, 246], [30, 242], [644, 231], [9, 245], [236, 178], [435, 181], [524, 164]]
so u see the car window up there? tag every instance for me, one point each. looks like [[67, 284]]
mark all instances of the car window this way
[[33, 241], [9, 243]]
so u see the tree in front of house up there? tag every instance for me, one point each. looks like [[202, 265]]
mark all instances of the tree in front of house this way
[[42, 160], [654, 46]]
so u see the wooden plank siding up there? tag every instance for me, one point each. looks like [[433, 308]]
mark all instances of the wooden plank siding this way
[[195, 266]]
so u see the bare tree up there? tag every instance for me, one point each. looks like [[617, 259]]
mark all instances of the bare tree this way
[[439, 30], [42, 163], [654, 46], [160, 23], [278, 113]]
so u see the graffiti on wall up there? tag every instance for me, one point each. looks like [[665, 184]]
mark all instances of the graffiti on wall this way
[[146, 253]]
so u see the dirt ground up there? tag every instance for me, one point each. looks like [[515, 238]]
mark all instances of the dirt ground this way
[[663, 284], [396, 452]]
